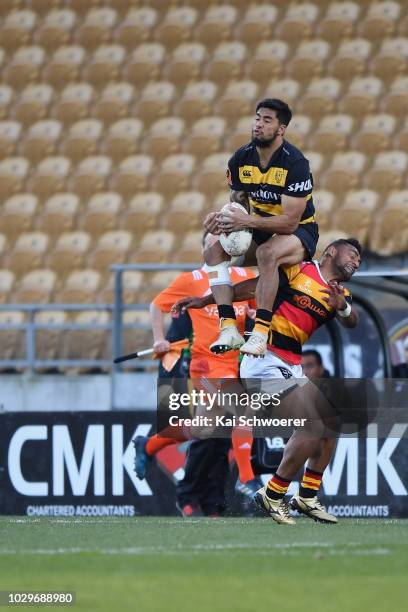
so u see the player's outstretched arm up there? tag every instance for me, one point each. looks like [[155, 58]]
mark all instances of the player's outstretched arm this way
[[160, 344], [241, 292]]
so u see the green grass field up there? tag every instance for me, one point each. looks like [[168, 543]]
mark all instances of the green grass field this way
[[172, 564]]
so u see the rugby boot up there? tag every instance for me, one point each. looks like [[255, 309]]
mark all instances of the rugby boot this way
[[229, 340], [311, 507], [255, 345], [141, 457], [277, 509]]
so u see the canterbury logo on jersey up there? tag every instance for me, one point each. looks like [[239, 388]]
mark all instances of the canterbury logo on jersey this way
[[273, 176], [303, 186]]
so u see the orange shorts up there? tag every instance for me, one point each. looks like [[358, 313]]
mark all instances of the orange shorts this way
[[212, 368]]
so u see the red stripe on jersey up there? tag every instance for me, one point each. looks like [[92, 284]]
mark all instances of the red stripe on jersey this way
[[298, 317]]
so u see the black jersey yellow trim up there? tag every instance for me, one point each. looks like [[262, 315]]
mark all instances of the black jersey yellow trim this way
[[253, 175]]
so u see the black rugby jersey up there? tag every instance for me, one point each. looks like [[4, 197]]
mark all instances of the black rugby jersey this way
[[287, 173]]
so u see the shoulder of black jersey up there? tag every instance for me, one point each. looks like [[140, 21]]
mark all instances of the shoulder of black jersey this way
[[243, 151], [293, 153]]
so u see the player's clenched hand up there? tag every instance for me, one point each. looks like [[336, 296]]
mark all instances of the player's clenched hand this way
[[233, 220], [161, 346], [186, 303], [334, 296], [211, 223]]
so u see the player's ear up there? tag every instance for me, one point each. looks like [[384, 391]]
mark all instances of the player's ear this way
[[330, 251], [282, 129]]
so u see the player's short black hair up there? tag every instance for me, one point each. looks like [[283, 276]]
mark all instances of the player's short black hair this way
[[282, 110], [313, 353], [353, 241]]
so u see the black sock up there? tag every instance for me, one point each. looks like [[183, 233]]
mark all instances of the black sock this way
[[226, 311]]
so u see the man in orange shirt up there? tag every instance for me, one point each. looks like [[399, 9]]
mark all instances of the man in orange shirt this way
[[204, 364]]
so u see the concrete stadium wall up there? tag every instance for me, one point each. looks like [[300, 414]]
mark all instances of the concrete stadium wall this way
[[133, 391]]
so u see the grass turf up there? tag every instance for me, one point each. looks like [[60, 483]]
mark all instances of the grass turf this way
[[150, 564]]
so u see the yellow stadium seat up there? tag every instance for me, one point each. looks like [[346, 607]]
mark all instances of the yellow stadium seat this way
[[375, 133], [10, 132], [268, 61], [211, 177], [49, 341], [28, 252], [389, 233], [105, 65], [285, 89], [102, 213], [36, 287], [137, 334], [132, 175], [3, 247], [324, 202], [70, 252], [401, 138], [91, 175], [156, 283], [332, 133], [388, 171], [240, 134], [59, 213], [114, 102], [227, 62], [13, 174], [111, 248], [64, 67], [82, 8], [298, 130], [18, 214], [317, 162], [155, 100], [6, 98], [17, 29], [24, 67], [345, 171], [380, 21], [177, 26], [362, 96], [56, 29], [143, 211], [132, 284], [41, 140], [391, 60], [12, 339], [186, 63], [191, 250], [175, 174], [197, 100], [339, 21], [205, 136], [309, 60], [88, 343], [50, 176], [321, 97], [7, 280], [81, 286], [154, 247], [298, 22], [96, 28], [73, 103], [396, 99], [136, 27], [351, 58], [42, 7], [216, 25], [10, 5], [33, 103], [144, 63], [165, 137], [123, 138], [239, 99], [355, 216], [257, 24], [185, 211], [82, 139]]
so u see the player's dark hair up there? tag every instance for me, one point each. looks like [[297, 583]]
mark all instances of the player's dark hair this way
[[313, 353], [282, 110], [353, 241]]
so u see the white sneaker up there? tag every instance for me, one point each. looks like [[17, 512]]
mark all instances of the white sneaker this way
[[277, 509], [255, 345], [311, 507], [229, 340]]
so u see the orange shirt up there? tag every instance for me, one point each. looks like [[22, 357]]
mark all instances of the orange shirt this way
[[205, 321]]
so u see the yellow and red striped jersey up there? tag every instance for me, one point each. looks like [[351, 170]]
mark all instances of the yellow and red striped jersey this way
[[299, 309]]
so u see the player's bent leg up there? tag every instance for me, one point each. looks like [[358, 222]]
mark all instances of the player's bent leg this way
[[276, 251]]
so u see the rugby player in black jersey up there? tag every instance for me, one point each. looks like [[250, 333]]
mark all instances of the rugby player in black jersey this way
[[272, 179]]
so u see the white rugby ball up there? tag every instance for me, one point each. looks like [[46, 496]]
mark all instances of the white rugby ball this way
[[235, 243]]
